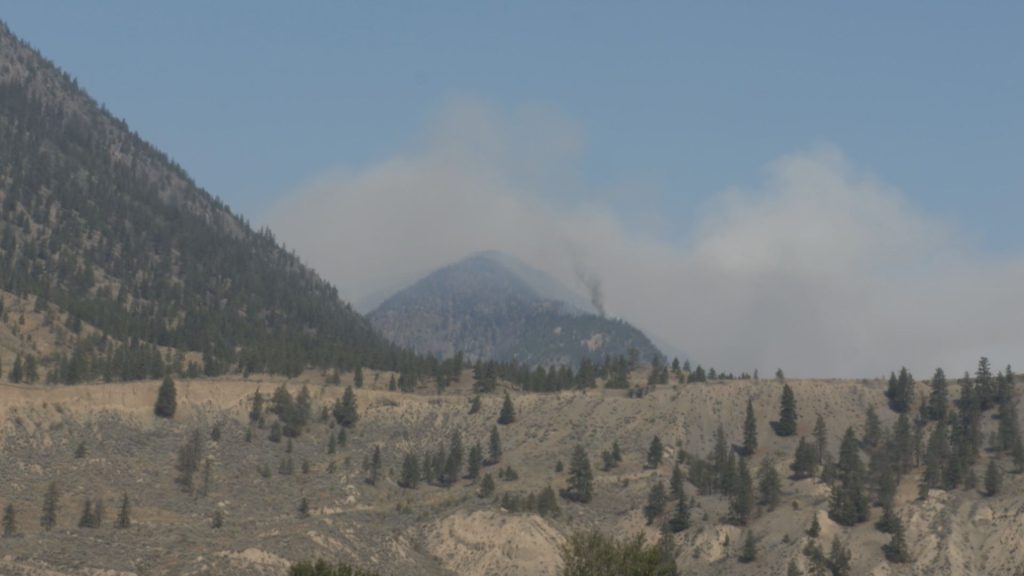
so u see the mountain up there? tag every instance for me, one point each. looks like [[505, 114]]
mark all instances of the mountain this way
[[492, 306], [112, 260]]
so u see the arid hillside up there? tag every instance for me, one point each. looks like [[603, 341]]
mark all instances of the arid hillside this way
[[102, 441]]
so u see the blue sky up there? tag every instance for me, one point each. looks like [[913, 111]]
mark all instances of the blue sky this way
[[834, 188], [679, 99]]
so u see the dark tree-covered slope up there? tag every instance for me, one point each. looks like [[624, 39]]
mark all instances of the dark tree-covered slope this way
[[97, 227], [490, 306]]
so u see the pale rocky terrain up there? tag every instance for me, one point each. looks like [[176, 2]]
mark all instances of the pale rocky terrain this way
[[432, 530]]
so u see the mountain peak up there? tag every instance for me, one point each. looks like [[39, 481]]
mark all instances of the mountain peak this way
[[491, 305]]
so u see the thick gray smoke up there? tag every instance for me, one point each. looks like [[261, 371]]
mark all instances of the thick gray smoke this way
[[821, 270]]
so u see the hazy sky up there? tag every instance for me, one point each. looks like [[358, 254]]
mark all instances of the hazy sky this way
[[834, 188]]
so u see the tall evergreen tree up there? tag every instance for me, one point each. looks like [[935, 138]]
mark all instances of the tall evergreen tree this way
[[410, 477], [750, 430], [10, 525], [872, 429], [51, 504], [749, 551], [938, 400], [124, 519], [166, 399], [346, 410], [581, 476], [680, 519], [742, 503], [677, 483], [849, 505], [655, 452], [993, 479], [839, 558], [494, 447], [769, 486], [508, 411], [476, 458], [896, 550], [820, 439], [805, 461], [656, 501], [787, 412]]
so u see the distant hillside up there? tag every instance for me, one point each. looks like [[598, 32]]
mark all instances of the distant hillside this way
[[117, 258], [491, 306]]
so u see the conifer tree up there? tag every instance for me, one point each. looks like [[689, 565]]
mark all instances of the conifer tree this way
[[903, 444], [346, 410], [896, 550], [476, 458], [677, 483], [486, 486], [547, 503], [936, 457], [124, 514], [10, 526], [848, 504], [792, 569], [749, 551], [654, 453], [166, 399], [815, 528], [86, 520], [474, 404], [453, 465], [993, 479], [616, 452], [303, 509], [938, 400], [769, 486], [805, 461], [494, 447], [51, 504], [742, 503], [680, 519], [581, 476], [656, 501], [375, 463], [410, 472], [872, 429], [787, 412], [508, 411], [750, 430], [820, 439], [839, 558], [357, 377]]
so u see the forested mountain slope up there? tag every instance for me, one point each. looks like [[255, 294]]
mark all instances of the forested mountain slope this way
[[114, 251]]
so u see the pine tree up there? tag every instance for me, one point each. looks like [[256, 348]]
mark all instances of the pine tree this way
[[680, 519], [938, 401], [375, 463], [742, 504], [839, 558], [166, 399], [86, 520], [769, 485], [793, 569], [332, 443], [9, 522], [474, 404], [410, 472], [896, 550], [936, 457], [494, 447], [676, 484], [616, 452], [124, 514], [51, 503], [820, 439], [872, 429], [346, 410], [993, 479], [453, 465], [849, 505], [476, 458], [16, 373], [656, 501], [357, 377], [486, 486], [787, 412], [547, 503], [805, 461], [217, 521], [749, 551], [581, 476], [303, 509], [654, 453], [508, 411], [750, 430], [815, 528]]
